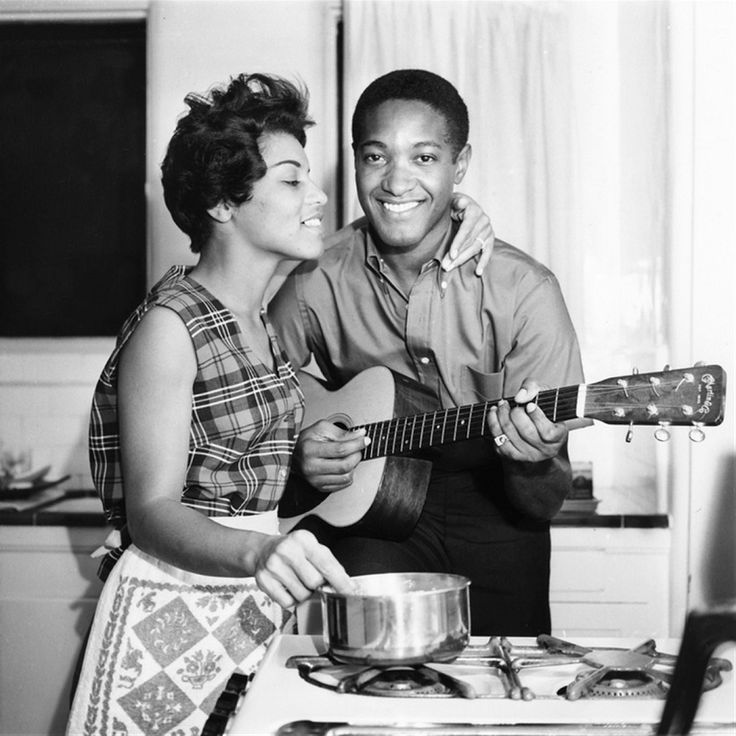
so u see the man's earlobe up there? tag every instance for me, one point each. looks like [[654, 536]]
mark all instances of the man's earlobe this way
[[222, 212], [462, 162]]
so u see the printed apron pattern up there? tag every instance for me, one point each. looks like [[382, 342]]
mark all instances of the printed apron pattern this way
[[162, 648]]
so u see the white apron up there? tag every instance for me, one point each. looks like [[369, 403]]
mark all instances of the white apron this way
[[164, 643]]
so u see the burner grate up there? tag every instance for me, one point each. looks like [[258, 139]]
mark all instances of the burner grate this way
[[615, 673]]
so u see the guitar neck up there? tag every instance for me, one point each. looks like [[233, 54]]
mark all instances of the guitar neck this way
[[402, 435]]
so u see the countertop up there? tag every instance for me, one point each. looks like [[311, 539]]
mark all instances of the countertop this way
[[54, 507], [80, 507]]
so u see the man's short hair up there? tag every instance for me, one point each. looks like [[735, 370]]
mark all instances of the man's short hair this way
[[420, 85], [214, 155]]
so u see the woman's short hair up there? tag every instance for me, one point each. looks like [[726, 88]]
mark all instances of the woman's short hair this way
[[213, 155], [419, 85]]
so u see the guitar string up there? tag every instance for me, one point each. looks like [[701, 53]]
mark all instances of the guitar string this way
[[563, 400], [565, 410], [470, 426], [545, 403], [388, 429]]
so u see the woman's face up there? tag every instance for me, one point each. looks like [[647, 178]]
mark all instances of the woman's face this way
[[284, 215]]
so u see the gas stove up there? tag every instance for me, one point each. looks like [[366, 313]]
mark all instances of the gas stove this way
[[499, 669], [496, 686]]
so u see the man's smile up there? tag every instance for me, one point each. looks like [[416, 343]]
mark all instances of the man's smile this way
[[400, 207]]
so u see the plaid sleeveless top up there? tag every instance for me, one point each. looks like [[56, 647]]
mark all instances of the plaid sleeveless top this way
[[245, 415]]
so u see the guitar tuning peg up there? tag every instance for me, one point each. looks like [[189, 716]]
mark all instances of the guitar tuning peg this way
[[634, 371], [666, 368], [698, 363], [662, 434], [630, 432], [696, 434]]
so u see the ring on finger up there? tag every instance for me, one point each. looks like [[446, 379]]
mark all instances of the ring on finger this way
[[500, 440], [482, 243]]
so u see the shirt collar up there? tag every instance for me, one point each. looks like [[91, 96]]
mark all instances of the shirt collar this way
[[375, 261]]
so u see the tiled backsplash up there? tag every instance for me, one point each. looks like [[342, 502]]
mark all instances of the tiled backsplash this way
[[45, 395]]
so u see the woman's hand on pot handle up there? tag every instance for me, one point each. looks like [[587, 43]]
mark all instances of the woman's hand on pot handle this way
[[289, 568]]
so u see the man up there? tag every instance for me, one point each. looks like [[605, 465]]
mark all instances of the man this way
[[379, 297]]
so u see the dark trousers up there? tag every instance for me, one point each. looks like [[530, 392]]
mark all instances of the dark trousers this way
[[464, 530]]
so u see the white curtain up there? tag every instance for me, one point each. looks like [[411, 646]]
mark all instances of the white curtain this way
[[569, 106], [503, 59]]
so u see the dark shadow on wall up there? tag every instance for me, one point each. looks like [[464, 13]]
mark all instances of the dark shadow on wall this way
[[719, 561]]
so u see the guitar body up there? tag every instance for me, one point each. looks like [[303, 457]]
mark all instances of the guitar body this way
[[387, 494]]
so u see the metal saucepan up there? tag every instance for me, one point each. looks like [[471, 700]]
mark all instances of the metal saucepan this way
[[397, 618]]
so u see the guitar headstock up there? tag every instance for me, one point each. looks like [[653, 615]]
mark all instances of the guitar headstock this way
[[679, 397]]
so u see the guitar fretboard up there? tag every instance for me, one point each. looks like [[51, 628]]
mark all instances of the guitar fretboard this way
[[402, 435]]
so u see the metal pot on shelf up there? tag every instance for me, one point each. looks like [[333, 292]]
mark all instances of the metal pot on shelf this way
[[397, 619]]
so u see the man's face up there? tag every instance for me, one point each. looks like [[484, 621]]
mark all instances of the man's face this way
[[405, 174]]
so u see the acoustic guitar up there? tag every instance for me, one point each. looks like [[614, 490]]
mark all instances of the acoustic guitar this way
[[390, 483]]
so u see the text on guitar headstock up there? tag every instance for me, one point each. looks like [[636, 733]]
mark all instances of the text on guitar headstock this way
[[692, 396]]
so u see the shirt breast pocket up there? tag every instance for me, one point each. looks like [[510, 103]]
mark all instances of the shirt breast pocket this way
[[484, 386]]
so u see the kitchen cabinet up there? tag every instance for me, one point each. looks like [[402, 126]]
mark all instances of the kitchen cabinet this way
[[610, 582], [47, 597]]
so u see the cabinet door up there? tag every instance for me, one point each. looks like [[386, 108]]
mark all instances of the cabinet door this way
[[47, 598], [610, 582]]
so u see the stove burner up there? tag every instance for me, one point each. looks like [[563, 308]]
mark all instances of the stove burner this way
[[409, 681], [638, 672], [416, 682], [621, 684]]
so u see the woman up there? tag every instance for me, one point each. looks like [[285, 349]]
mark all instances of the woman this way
[[198, 396], [193, 424]]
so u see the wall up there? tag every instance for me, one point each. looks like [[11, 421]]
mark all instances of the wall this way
[[196, 44], [45, 394], [703, 488]]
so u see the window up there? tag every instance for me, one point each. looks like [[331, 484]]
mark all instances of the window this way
[[72, 174]]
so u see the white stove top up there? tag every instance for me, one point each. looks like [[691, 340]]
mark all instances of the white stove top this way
[[278, 696]]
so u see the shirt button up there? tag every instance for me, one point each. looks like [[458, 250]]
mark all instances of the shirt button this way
[[424, 360]]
